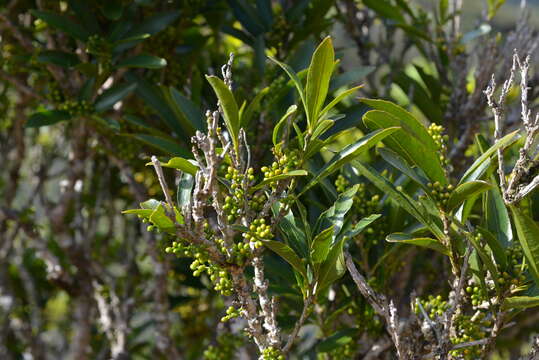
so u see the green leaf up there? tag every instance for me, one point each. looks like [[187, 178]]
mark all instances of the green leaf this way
[[336, 213], [497, 249], [426, 242], [167, 146], [297, 82], [338, 99], [60, 58], [497, 216], [385, 9], [287, 254], [180, 164], [229, 106], [276, 130], [349, 153], [520, 302], [406, 144], [337, 340], [528, 235], [154, 24], [45, 118], [333, 268], [111, 96], [401, 199], [400, 164], [253, 107], [362, 225], [408, 122], [321, 245], [154, 98], [112, 10], [188, 110], [318, 78], [280, 177], [62, 23], [478, 168], [485, 253], [185, 187], [142, 61], [465, 191]]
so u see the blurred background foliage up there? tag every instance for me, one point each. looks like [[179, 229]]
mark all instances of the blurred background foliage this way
[[90, 89]]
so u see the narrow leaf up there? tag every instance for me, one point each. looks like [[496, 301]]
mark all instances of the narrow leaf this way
[[528, 235], [426, 242], [318, 78], [287, 254], [45, 118], [229, 106], [111, 96], [465, 191]]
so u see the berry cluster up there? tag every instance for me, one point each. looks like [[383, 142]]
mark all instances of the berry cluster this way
[[470, 328], [257, 231], [271, 353], [514, 258], [76, 108], [477, 295], [257, 202], [435, 131], [227, 345], [283, 164], [55, 94], [233, 203], [440, 194], [343, 352], [434, 306], [231, 313], [220, 278], [341, 184]]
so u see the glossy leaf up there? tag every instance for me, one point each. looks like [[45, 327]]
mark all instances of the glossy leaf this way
[[62, 23], [349, 153], [229, 106], [295, 80], [280, 177], [184, 190], [333, 268], [337, 340], [287, 254], [400, 164], [362, 225], [111, 96], [465, 191], [401, 199], [253, 107], [477, 169], [277, 129], [520, 302], [321, 245], [334, 216], [338, 99], [169, 147], [191, 113], [318, 78], [180, 164], [406, 144], [426, 242], [60, 58], [408, 121], [528, 235], [45, 118]]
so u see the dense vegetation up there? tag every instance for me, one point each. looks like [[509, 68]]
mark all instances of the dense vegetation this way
[[311, 179]]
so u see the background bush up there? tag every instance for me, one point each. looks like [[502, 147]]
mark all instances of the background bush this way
[[91, 89]]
